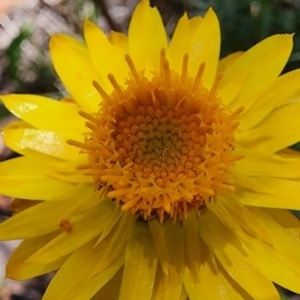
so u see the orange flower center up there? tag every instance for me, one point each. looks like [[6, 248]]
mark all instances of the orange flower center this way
[[161, 146]]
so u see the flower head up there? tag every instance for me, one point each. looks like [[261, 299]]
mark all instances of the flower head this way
[[181, 186]]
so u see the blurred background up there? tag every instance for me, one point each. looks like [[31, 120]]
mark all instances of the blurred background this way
[[25, 66]]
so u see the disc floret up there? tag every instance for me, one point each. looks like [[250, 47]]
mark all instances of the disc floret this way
[[161, 146]]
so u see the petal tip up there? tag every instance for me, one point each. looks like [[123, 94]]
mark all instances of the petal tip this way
[[88, 24], [211, 14], [55, 41]]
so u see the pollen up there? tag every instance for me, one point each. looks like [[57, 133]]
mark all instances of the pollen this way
[[66, 225], [161, 146]]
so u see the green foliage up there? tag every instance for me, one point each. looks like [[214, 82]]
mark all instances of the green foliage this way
[[14, 51], [3, 111]]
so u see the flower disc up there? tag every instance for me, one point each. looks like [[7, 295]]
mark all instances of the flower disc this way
[[161, 146]]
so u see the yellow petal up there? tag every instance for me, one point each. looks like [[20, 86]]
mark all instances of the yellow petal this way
[[191, 242], [110, 224], [111, 61], [200, 279], [280, 262], [83, 228], [286, 220], [31, 222], [168, 239], [180, 42], [267, 192], [205, 47], [230, 92], [26, 178], [43, 113], [21, 138], [80, 284], [276, 49], [227, 61], [8, 138], [111, 290], [232, 255], [168, 287], [266, 164], [268, 200], [284, 90], [234, 290], [210, 286], [68, 170], [169, 243], [113, 245], [239, 218], [140, 265], [278, 131], [272, 265], [146, 36], [18, 269], [74, 67], [208, 282], [119, 41]]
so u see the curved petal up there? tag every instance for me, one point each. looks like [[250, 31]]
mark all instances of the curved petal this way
[[212, 281], [9, 139], [83, 270], [251, 198], [43, 113], [270, 55], [27, 178], [239, 218], [201, 277], [110, 224], [119, 41], [267, 164], [235, 291], [68, 171], [233, 256], [114, 243], [81, 283], [111, 290], [18, 137], [73, 65], [287, 220], [168, 240], [278, 131], [168, 287], [84, 228], [180, 42], [230, 92], [205, 42], [31, 222], [280, 262], [284, 90], [105, 57], [267, 192], [18, 269], [192, 248], [140, 256], [228, 60], [146, 37], [169, 243]]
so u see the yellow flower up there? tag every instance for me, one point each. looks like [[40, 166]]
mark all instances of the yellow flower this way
[[181, 188]]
